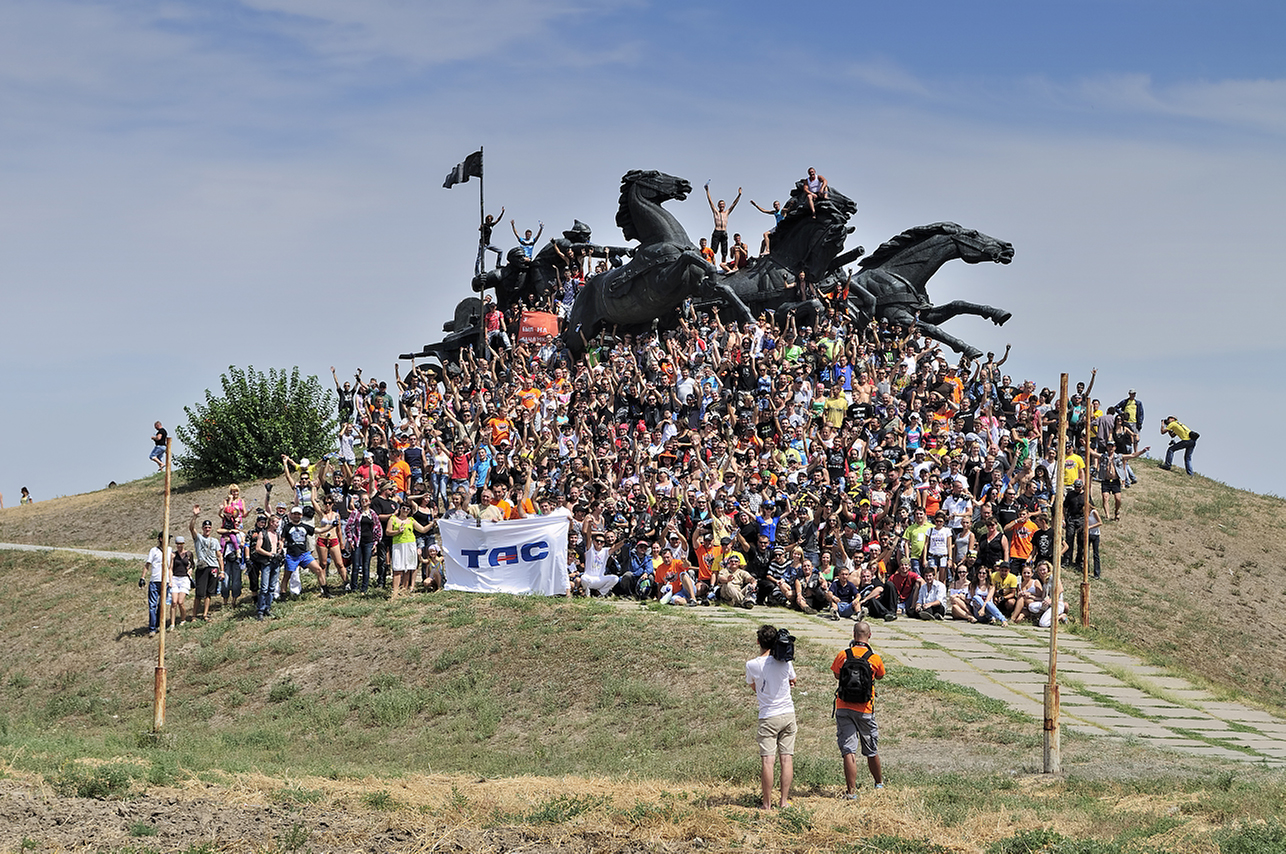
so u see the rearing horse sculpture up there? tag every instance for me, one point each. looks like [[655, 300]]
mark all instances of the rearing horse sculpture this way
[[892, 281], [665, 270]]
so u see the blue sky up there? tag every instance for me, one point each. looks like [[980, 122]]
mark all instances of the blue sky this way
[[189, 185]]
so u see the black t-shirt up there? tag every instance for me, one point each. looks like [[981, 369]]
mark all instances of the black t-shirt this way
[[161, 436], [384, 507], [366, 527], [295, 536], [1042, 545]]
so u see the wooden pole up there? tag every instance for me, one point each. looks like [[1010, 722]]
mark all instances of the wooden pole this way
[[158, 697], [1053, 750], [1085, 532]]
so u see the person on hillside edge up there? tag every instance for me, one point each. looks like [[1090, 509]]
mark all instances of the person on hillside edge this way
[[1181, 439]]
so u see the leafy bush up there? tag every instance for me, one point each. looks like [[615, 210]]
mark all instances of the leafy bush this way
[[243, 433]]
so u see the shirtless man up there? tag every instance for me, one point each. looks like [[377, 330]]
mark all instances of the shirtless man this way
[[778, 213], [816, 187], [719, 237]]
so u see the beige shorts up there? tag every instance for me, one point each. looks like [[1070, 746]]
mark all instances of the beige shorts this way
[[777, 735]]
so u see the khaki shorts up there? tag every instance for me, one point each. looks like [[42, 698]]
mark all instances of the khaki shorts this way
[[777, 735]]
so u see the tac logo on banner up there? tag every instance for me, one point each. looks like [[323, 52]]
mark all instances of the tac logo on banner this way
[[535, 325], [527, 552], [514, 556]]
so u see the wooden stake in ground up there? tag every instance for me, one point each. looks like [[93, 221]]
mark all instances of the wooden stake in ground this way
[[158, 697], [1085, 530], [1053, 751]]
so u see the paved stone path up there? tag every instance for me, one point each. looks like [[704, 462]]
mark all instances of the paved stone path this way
[[1102, 692], [20, 547]]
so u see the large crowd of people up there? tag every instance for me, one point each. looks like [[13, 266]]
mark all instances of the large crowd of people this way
[[849, 469]]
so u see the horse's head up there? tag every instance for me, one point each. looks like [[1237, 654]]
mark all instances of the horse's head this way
[[655, 186], [976, 247], [811, 242], [640, 214]]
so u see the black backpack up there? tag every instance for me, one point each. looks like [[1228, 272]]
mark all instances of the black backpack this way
[[856, 681], [783, 649]]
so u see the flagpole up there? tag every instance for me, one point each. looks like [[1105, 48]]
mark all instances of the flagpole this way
[[482, 253]]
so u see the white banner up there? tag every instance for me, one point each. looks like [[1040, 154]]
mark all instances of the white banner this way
[[517, 556]]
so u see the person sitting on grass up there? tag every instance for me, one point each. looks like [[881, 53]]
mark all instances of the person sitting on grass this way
[[1005, 588], [1029, 593], [958, 595], [673, 583], [736, 585], [981, 601], [930, 598]]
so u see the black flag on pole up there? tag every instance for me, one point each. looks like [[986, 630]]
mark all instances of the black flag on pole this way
[[464, 170]]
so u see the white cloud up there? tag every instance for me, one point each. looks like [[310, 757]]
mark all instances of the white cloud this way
[[415, 31], [1251, 104]]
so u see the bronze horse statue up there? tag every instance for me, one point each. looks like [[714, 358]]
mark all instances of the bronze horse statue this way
[[892, 280], [802, 242], [666, 268]]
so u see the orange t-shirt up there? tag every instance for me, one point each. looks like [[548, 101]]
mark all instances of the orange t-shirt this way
[[529, 397], [1020, 540], [667, 571], [400, 473], [708, 562], [877, 671], [500, 428]]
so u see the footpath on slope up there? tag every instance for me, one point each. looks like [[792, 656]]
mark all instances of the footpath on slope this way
[[1102, 692]]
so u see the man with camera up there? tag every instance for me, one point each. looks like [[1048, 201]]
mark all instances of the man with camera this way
[[771, 675]]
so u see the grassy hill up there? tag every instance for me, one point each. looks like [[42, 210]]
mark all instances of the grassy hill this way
[[504, 722]]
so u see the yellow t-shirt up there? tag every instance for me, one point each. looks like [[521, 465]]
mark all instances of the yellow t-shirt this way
[[1073, 469]]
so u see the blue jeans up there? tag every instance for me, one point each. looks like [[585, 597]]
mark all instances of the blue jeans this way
[[231, 581], [1186, 446], [153, 606], [362, 565], [845, 609], [269, 580], [987, 613]]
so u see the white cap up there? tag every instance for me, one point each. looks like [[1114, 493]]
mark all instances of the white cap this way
[[303, 464], [296, 509]]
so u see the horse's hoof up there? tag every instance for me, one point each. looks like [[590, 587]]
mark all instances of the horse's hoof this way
[[1001, 318]]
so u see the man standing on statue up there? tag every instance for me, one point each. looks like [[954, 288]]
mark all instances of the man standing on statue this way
[[484, 242], [719, 237]]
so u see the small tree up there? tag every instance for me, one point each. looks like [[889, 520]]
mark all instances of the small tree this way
[[259, 417]]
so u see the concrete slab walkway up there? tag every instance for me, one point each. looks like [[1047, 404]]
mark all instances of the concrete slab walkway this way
[[1102, 692], [21, 547]]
